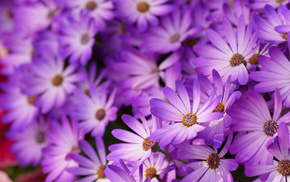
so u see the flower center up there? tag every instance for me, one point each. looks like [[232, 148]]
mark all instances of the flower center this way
[[91, 5], [283, 167], [189, 119], [150, 172], [236, 60], [213, 161], [280, 1], [220, 108], [143, 7], [57, 80], [284, 36], [174, 38], [31, 100], [254, 59], [85, 38], [100, 114], [51, 14], [147, 144], [100, 172], [40, 137], [74, 150], [270, 128], [123, 28]]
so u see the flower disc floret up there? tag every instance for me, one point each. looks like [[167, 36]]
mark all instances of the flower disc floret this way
[[31, 100], [220, 108], [237, 59], [40, 137], [100, 172], [213, 161], [143, 7], [150, 172], [100, 114], [175, 38], [57, 80], [254, 59], [189, 119], [270, 128], [284, 36], [147, 144], [91, 5], [85, 38], [283, 167]]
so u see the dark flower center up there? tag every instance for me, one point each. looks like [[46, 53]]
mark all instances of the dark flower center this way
[[100, 172], [280, 1], [40, 137], [191, 42], [123, 28], [57, 80], [143, 7], [87, 92], [254, 59], [85, 38], [31, 100], [213, 160], [237, 59], [147, 144], [220, 108], [51, 14], [283, 167], [189, 119], [174, 38], [284, 36], [74, 150], [270, 128], [91, 5], [100, 114], [150, 172]]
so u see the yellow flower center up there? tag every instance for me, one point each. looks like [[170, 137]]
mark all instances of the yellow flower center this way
[[57, 80], [189, 119], [254, 59], [147, 144], [31, 100], [143, 7], [284, 36], [220, 108], [213, 161], [283, 167], [150, 172], [101, 172], [236, 60], [91, 5], [270, 128]]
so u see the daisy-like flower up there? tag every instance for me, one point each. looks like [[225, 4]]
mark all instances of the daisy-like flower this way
[[252, 116], [174, 29], [51, 82], [275, 74], [142, 11], [30, 142], [228, 59], [187, 117], [214, 133], [138, 145], [77, 39], [279, 170], [95, 109], [208, 164], [63, 143], [19, 108], [92, 167]]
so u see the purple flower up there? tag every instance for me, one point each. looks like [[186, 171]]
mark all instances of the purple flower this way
[[253, 116], [138, 145], [77, 39], [63, 143], [30, 142], [260, 4], [142, 12], [279, 170], [275, 74], [174, 29], [51, 82], [92, 167], [228, 59], [95, 109], [187, 117], [208, 164]]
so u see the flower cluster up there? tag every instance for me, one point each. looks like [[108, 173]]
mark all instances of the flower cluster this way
[[145, 90]]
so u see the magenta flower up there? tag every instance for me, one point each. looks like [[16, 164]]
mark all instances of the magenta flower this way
[[253, 117], [275, 74], [279, 170], [63, 143], [187, 117], [228, 59]]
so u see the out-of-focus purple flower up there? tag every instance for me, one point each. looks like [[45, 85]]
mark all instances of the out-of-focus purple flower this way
[[188, 116], [30, 142], [92, 167], [275, 74], [279, 170], [260, 4], [138, 145], [77, 39], [216, 9], [6, 16], [51, 82], [214, 133], [228, 59], [20, 108], [95, 109], [142, 12], [239, 7], [253, 116], [174, 29], [63, 143], [208, 164]]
